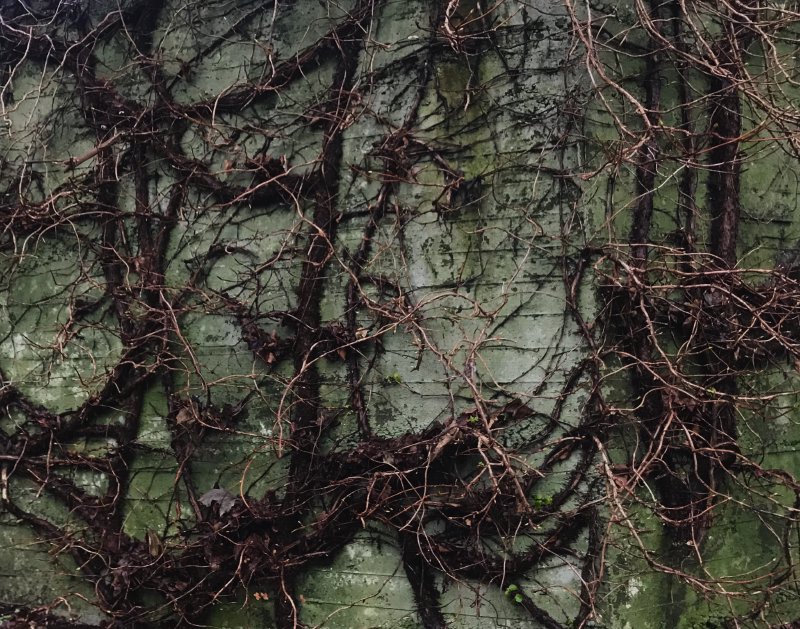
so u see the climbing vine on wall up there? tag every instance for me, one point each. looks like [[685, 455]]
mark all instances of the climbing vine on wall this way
[[194, 201], [481, 280], [700, 284]]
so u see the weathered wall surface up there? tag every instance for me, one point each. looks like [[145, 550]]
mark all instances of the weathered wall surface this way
[[709, 362], [248, 245], [397, 314]]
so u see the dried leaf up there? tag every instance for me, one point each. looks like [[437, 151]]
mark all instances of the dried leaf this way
[[185, 415], [223, 497], [154, 544]]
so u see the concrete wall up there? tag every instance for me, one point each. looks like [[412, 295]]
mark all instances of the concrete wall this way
[[188, 189], [472, 234]]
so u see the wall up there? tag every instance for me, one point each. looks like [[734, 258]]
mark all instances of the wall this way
[[396, 314], [228, 226]]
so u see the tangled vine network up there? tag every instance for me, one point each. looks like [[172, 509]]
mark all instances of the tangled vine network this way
[[490, 283]]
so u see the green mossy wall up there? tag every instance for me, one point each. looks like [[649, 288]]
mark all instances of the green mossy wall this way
[[474, 235], [475, 147]]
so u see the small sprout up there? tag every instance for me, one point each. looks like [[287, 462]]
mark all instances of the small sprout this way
[[518, 599], [511, 589], [472, 419], [393, 378]]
